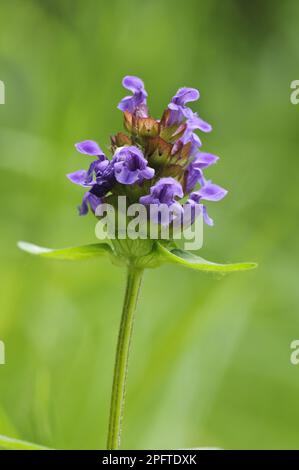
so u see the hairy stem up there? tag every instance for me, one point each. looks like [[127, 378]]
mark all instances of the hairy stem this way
[[122, 358]]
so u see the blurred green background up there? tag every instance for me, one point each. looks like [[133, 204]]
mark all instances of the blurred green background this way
[[210, 363]]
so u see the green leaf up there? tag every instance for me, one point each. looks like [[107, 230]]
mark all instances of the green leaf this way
[[72, 253], [15, 444], [192, 261]]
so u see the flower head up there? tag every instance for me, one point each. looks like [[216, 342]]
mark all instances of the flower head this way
[[157, 161]]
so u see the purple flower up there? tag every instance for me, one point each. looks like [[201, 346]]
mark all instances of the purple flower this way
[[130, 166], [137, 102], [180, 113], [102, 182], [194, 171], [177, 104], [83, 177], [88, 178], [104, 178], [99, 177], [208, 192], [89, 201]]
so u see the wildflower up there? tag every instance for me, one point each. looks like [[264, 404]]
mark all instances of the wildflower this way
[[157, 161], [158, 164]]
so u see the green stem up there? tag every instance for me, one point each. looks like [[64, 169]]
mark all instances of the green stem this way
[[122, 357]]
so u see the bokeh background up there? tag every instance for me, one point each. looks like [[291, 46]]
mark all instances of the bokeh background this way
[[210, 363]]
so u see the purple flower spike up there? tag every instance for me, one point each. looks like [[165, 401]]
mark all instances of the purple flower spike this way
[[137, 102], [130, 166], [89, 201], [89, 147], [163, 192], [179, 146]]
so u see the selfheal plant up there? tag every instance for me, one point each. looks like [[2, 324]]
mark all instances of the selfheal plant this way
[[155, 162]]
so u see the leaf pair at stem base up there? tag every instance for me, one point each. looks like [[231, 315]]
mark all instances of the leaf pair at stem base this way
[[158, 255]]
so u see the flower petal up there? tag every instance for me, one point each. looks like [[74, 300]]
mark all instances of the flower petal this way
[[185, 95], [203, 160], [148, 173], [134, 84], [78, 177], [212, 192], [123, 175], [89, 147], [206, 217], [89, 200], [130, 166]]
